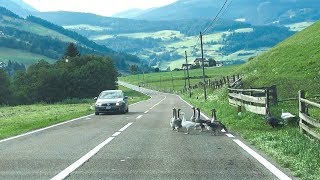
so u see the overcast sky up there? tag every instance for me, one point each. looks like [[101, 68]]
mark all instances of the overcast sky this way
[[101, 7]]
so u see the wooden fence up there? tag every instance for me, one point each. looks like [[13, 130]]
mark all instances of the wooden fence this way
[[219, 83], [307, 123], [272, 93], [244, 98]]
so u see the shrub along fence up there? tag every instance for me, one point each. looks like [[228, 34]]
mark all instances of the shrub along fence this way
[[307, 123]]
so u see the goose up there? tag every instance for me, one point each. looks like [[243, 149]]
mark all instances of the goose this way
[[189, 125], [215, 125], [173, 118], [272, 121], [200, 122], [193, 117], [177, 121], [286, 115], [213, 115]]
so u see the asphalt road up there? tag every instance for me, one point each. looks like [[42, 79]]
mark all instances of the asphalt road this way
[[137, 145]]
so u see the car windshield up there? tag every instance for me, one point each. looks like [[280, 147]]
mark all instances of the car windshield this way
[[111, 95]]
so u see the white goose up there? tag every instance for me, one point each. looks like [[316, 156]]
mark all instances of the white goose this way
[[189, 125], [286, 115]]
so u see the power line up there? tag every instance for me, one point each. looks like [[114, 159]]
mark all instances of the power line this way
[[215, 18]]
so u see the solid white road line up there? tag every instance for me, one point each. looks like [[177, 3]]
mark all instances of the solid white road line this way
[[39, 130], [263, 161], [125, 127], [139, 117], [63, 174], [116, 134]]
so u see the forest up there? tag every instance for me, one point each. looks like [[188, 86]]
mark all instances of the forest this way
[[81, 76]]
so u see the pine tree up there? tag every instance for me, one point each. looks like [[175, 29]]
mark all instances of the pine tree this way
[[71, 51]]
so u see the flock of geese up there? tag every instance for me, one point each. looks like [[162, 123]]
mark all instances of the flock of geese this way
[[178, 122]]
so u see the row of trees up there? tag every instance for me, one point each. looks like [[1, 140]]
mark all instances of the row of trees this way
[[80, 76]]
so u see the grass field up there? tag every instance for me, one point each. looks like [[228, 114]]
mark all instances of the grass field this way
[[175, 79], [21, 119], [21, 56]]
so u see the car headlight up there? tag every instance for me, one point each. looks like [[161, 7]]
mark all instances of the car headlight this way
[[119, 103], [99, 104]]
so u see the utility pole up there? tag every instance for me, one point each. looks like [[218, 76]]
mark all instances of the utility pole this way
[[185, 78], [204, 77], [188, 74], [172, 82]]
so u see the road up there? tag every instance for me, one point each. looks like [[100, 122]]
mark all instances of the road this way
[[137, 145]]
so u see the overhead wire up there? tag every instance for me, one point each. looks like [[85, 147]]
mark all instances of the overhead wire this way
[[215, 18]]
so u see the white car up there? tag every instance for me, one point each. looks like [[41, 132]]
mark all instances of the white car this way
[[111, 101]]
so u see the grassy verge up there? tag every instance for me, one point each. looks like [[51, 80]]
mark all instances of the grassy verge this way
[[21, 119]]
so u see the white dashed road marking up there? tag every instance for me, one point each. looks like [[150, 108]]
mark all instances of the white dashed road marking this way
[[116, 134], [125, 127], [63, 174]]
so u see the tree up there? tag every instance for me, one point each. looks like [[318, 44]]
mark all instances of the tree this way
[[71, 51], [134, 69], [5, 94], [212, 62]]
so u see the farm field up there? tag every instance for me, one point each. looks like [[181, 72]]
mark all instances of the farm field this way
[[21, 56], [212, 43]]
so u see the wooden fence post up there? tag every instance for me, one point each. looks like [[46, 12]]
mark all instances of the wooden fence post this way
[[302, 107], [267, 100], [224, 80], [274, 94]]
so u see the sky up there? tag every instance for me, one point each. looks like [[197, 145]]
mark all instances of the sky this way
[[100, 7]]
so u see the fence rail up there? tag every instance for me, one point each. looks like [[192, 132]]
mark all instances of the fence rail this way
[[244, 98], [307, 123]]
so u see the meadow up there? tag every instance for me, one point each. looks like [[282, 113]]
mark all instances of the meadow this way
[[15, 120], [21, 56]]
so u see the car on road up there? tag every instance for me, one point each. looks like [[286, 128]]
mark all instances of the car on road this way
[[111, 101]]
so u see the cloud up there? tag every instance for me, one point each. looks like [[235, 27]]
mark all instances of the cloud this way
[[101, 7]]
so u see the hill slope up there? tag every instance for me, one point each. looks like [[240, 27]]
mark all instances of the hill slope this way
[[252, 11], [292, 65], [41, 37]]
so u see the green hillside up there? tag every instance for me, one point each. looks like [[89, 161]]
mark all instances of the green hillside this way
[[292, 65], [40, 38]]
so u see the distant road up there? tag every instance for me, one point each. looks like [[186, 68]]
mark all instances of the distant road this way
[[137, 145]]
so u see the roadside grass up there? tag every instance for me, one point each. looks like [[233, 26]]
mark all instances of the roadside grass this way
[[15, 120], [134, 96]]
